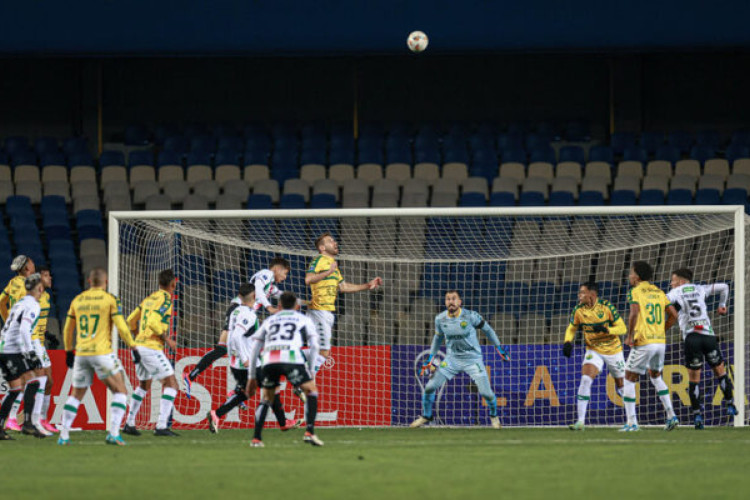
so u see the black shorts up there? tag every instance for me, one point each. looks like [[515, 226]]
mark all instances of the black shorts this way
[[698, 347], [13, 366], [296, 375], [240, 376]]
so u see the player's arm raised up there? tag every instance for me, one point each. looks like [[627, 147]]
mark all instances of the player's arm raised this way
[[723, 289], [373, 284], [260, 294], [312, 277]]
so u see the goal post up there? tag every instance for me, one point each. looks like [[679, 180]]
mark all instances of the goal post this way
[[519, 267]]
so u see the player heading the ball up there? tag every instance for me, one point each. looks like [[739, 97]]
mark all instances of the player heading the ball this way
[[458, 328]]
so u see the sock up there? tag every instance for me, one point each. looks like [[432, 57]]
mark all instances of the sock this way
[[428, 398], [29, 396], [663, 391], [36, 414], [5, 408], [619, 391], [117, 411], [165, 407], [319, 362], [69, 415], [234, 401], [136, 400], [628, 397], [492, 403], [217, 353], [312, 411], [45, 406], [16, 405], [727, 388], [278, 410], [584, 395], [260, 418], [694, 390]]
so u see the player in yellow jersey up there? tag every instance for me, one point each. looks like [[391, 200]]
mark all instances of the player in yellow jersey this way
[[651, 314], [12, 293], [14, 290], [150, 323], [601, 326], [325, 281], [91, 317]]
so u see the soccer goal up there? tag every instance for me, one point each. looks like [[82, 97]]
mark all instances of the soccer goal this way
[[520, 268]]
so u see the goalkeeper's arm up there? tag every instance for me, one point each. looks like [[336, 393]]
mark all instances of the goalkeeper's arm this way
[[488, 330]]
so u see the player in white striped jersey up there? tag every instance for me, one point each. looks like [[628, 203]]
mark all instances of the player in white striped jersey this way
[[699, 337], [242, 324], [279, 343], [18, 359], [264, 282]]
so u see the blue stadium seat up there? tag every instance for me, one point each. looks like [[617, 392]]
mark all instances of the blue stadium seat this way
[[668, 153], [228, 157], [84, 158], [590, 198], [196, 128], [177, 144], [472, 200], [323, 200], [634, 153], [169, 158], [502, 199], [602, 153], [259, 141], [652, 197], [426, 154], [140, 158], [681, 140], [259, 202], [23, 158], [531, 199], [164, 130], [536, 141], [284, 166], [313, 156], [370, 151], [341, 154], [680, 197], [546, 154], [136, 135], [230, 143], [517, 155], [741, 137], [203, 144], [292, 201], [651, 141], [44, 145], [256, 156], [52, 158], [736, 151], [200, 157], [53, 204], [110, 158], [484, 164], [622, 197], [710, 138], [18, 206], [577, 131], [734, 196], [572, 153], [89, 224], [74, 145], [293, 233], [561, 199], [620, 141], [507, 140], [702, 153], [16, 144], [707, 197], [567, 296]]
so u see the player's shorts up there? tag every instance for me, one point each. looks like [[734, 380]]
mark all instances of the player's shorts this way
[[154, 364], [105, 365], [238, 347], [698, 346], [240, 376], [475, 368], [646, 357], [615, 362], [296, 374], [13, 365], [323, 321], [41, 353]]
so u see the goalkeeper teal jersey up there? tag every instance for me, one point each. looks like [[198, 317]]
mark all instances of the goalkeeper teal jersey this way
[[460, 335]]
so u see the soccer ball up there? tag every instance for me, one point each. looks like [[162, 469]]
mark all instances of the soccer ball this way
[[417, 41]]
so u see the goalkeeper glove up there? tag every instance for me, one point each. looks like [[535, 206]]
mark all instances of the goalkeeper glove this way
[[599, 329], [425, 368], [33, 360], [136, 356], [502, 353], [70, 357], [567, 349]]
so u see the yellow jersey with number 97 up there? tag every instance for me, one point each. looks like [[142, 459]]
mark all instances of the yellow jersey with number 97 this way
[[652, 318], [92, 315]]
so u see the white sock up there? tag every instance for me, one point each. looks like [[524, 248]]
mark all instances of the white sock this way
[[628, 397], [16, 406], [136, 400], [619, 391], [45, 406], [69, 415], [36, 413], [165, 407], [663, 392], [117, 411], [584, 395]]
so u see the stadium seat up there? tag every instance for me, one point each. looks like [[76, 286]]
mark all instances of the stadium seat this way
[[457, 172], [292, 201], [708, 181], [620, 141], [472, 199], [24, 173], [297, 186], [57, 188], [652, 197], [680, 197], [734, 196], [541, 170], [514, 155], [572, 154], [623, 197], [54, 173], [736, 151], [326, 186], [259, 202], [668, 153], [385, 193], [323, 200], [701, 153], [659, 182], [531, 199], [428, 172], [561, 198], [635, 154], [415, 193], [566, 184], [399, 172], [683, 182], [224, 173], [659, 168], [717, 166], [140, 173], [143, 190], [590, 198], [513, 170], [176, 190], [312, 172], [569, 169], [356, 194], [627, 183], [651, 141], [602, 154], [707, 197], [599, 169], [630, 168], [543, 155], [255, 173], [209, 190], [141, 158], [169, 173], [269, 187], [30, 189], [741, 181], [476, 185], [370, 173], [680, 139], [340, 173]]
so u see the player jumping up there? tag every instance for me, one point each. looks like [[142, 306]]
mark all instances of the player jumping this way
[[458, 327], [700, 339], [601, 326]]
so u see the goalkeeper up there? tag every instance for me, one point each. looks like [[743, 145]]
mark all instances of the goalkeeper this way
[[458, 327], [601, 326]]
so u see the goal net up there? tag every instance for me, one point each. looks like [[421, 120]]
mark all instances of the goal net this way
[[519, 268]]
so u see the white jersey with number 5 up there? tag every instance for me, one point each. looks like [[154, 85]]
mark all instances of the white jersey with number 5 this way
[[690, 300], [283, 335]]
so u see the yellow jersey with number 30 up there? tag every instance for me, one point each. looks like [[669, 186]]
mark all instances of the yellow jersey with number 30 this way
[[92, 315], [14, 291], [650, 327], [151, 318], [325, 291]]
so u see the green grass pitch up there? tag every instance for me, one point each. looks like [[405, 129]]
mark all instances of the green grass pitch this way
[[385, 463]]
